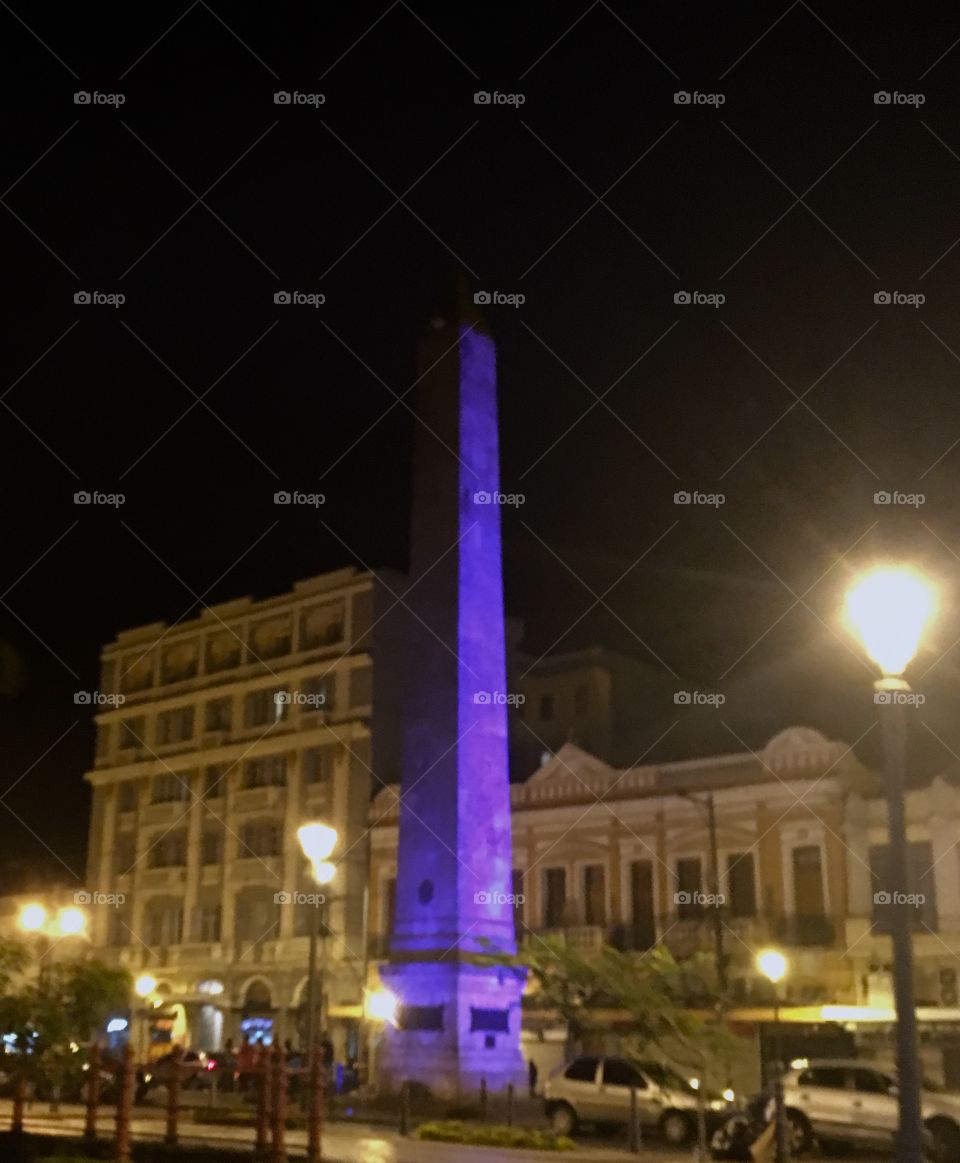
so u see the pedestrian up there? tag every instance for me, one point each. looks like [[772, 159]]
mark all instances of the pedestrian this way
[[532, 1075]]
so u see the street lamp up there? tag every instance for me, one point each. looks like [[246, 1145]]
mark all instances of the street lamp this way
[[71, 922], [317, 842], [773, 965], [889, 609], [32, 918]]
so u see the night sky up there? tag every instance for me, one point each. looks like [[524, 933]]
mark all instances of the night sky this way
[[598, 198]]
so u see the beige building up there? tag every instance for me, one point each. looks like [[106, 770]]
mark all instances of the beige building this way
[[235, 728], [624, 857]]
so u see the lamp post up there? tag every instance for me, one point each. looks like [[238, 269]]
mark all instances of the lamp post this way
[[773, 965], [143, 987], [317, 842], [889, 609], [379, 1009]]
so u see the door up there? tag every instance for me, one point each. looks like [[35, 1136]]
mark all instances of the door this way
[[823, 1097], [617, 1079], [875, 1113], [644, 935], [581, 1088], [808, 881]]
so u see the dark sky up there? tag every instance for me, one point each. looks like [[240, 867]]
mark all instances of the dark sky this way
[[598, 199]]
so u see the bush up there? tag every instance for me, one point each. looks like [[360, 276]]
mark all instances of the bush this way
[[481, 1135]]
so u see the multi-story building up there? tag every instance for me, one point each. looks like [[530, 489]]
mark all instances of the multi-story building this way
[[234, 728], [624, 857]]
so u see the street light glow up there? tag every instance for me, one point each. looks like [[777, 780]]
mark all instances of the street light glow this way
[[888, 608], [380, 1005], [772, 964], [317, 842], [145, 985], [32, 918], [71, 921], [324, 872]]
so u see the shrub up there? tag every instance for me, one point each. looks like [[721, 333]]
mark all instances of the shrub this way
[[481, 1135]]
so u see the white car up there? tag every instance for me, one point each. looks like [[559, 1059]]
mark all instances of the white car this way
[[597, 1090], [844, 1101]]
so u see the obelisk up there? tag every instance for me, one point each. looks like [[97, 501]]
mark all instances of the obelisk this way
[[458, 1021]]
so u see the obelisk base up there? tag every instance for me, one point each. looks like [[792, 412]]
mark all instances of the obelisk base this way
[[460, 1025]]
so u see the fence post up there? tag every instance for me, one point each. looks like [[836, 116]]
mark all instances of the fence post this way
[[93, 1093], [316, 1081], [124, 1104], [264, 1105], [279, 1148], [634, 1144], [509, 1104], [19, 1099], [483, 1100], [173, 1099], [404, 1108]]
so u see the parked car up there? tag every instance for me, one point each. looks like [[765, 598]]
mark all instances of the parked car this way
[[196, 1073], [597, 1090], [844, 1102]]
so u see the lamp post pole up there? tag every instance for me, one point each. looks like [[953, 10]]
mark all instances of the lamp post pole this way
[[782, 1146], [312, 982], [909, 1140]]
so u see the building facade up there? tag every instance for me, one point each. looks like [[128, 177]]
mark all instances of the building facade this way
[[235, 728]]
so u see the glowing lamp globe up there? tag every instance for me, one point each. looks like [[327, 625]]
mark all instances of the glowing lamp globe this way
[[772, 964], [71, 921], [32, 918], [889, 608], [145, 985], [380, 1005]]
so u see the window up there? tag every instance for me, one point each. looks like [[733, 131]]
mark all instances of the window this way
[[256, 914], [267, 771], [361, 686], [808, 898], [224, 650], [119, 926], [582, 1070], [616, 1072], [581, 700], [131, 733], [316, 690], [262, 707], [260, 838], [741, 885], [124, 853], [179, 661], [127, 796], [643, 915], [206, 923], [831, 1077], [546, 708], [689, 888], [136, 672], [104, 735], [219, 715], [317, 765], [921, 886], [389, 904], [168, 788], [271, 637], [555, 897], [594, 895], [872, 1082], [321, 626], [175, 726], [215, 781], [169, 851], [211, 848], [163, 921]]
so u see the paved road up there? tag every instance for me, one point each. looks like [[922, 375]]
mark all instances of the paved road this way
[[346, 1143]]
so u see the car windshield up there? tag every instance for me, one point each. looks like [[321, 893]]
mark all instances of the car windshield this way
[[665, 1077]]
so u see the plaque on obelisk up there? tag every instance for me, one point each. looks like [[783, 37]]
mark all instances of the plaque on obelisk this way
[[458, 1019]]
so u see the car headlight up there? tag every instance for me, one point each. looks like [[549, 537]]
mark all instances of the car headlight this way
[[717, 1104]]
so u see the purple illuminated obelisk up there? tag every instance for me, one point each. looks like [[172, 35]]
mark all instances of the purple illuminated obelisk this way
[[459, 1021]]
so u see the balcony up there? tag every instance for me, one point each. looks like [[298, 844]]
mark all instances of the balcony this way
[[805, 932]]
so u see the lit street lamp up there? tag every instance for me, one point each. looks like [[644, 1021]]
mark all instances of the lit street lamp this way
[[773, 965], [379, 1009], [889, 608], [317, 842]]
